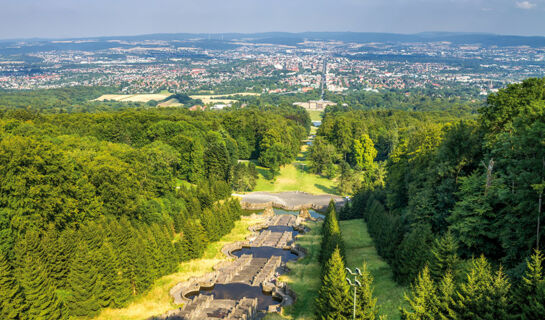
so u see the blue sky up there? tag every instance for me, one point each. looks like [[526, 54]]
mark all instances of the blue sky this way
[[75, 18]]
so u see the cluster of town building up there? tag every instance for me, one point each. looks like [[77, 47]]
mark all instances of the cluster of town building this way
[[152, 66]]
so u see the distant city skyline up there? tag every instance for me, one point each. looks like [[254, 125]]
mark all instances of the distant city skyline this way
[[92, 18]]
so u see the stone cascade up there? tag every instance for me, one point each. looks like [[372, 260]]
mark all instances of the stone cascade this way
[[268, 271], [239, 266], [246, 274], [246, 309], [261, 238], [246, 271], [195, 308], [287, 237]]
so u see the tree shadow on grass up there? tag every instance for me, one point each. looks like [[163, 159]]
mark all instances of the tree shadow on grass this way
[[330, 190], [266, 173]]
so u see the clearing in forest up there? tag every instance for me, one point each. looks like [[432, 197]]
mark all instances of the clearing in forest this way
[[295, 176], [359, 248]]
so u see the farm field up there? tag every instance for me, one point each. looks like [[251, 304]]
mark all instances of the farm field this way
[[157, 300], [212, 98], [170, 103], [134, 97]]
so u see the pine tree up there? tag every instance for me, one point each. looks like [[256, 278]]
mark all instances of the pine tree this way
[[40, 295], [484, 295], [167, 248], [156, 266], [116, 288], [366, 305], [334, 297], [529, 298], [412, 254], [141, 279], [331, 239], [423, 301], [445, 294], [55, 257], [331, 235], [443, 257], [84, 284], [12, 302]]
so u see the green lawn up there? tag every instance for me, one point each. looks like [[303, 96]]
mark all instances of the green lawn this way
[[315, 115], [295, 176], [304, 277], [360, 248]]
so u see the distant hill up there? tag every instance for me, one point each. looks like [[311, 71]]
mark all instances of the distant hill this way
[[360, 37], [225, 40]]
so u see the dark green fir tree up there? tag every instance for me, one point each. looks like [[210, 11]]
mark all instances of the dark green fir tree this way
[[12, 302], [84, 284], [333, 302]]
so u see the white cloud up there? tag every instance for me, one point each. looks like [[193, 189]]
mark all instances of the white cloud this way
[[527, 5]]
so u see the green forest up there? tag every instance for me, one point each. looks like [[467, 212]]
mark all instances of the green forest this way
[[95, 206], [100, 199], [453, 203]]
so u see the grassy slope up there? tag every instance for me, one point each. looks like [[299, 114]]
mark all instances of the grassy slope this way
[[295, 176], [157, 300], [315, 115], [360, 248]]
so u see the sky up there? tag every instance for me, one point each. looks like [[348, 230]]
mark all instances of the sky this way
[[88, 18]]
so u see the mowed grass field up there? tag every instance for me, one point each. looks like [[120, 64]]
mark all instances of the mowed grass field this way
[[315, 115], [360, 248], [295, 176], [157, 300], [304, 277]]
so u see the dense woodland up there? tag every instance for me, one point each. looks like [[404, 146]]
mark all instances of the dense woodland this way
[[457, 101], [95, 206], [453, 205]]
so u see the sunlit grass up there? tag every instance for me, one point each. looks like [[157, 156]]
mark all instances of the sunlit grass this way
[[157, 300], [315, 115], [295, 176], [360, 248]]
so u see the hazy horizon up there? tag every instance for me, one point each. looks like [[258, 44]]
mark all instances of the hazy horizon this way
[[24, 19]]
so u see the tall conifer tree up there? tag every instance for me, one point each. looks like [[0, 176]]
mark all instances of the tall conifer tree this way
[[12, 302], [334, 297], [485, 294], [529, 298], [443, 257], [43, 302], [366, 305], [84, 284]]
